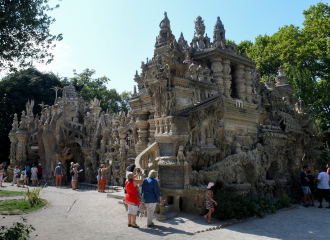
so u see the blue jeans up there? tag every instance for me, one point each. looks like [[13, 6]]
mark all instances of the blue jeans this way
[[306, 190]]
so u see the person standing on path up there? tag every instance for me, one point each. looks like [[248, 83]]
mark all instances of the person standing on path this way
[[58, 173], [4, 165], [209, 201], [132, 199], [39, 173], [323, 186], [103, 177], [2, 171], [71, 174], [34, 174], [304, 185], [16, 176], [77, 165], [28, 173], [150, 194], [311, 185], [22, 176]]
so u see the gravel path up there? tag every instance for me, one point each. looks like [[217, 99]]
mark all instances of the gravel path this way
[[86, 214]]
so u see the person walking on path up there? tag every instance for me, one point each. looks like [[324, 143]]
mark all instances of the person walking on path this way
[[103, 177], [2, 172], [39, 173], [323, 186], [34, 174], [16, 176], [58, 173], [209, 201], [304, 185], [150, 194], [4, 165], [311, 185], [132, 199], [77, 177], [28, 173]]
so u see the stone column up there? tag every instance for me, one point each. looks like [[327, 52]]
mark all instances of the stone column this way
[[152, 131], [226, 78], [240, 82], [248, 82], [22, 136], [216, 68], [123, 145], [143, 133]]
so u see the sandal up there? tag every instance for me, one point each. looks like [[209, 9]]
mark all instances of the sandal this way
[[205, 217], [134, 225], [210, 222], [151, 225], [129, 225]]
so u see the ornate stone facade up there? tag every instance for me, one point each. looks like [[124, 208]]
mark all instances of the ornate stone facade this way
[[199, 114]]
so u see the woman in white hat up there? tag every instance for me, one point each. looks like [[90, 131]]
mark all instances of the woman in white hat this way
[[209, 201]]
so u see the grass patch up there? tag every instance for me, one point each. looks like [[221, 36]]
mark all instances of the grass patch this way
[[5, 193], [19, 206]]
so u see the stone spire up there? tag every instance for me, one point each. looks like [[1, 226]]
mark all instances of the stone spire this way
[[165, 34], [199, 34], [219, 32], [182, 42]]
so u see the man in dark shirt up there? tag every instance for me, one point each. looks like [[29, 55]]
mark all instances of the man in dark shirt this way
[[311, 184], [304, 185]]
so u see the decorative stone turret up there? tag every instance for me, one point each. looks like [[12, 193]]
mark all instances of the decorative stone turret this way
[[227, 78], [282, 85], [219, 38], [165, 33], [240, 82]]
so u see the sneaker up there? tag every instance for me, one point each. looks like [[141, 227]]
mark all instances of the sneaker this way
[[306, 205]]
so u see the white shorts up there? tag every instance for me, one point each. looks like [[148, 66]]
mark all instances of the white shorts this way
[[132, 209]]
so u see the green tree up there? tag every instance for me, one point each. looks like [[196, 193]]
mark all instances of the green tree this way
[[24, 33], [243, 46], [15, 90], [124, 99], [89, 88], [305, 54]]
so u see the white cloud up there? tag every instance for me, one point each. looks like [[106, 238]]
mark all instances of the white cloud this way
[[62, 53]]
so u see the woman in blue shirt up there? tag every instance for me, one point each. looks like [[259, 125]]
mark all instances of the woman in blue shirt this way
[[150, 194]]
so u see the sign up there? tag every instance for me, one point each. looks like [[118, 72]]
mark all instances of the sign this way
[[171, 177]]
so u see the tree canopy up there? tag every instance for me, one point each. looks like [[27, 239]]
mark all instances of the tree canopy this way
[[89, 88], [15, 90], [25, 34], [305, 55]]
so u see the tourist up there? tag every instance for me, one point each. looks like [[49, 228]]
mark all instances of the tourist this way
[[4, 165], [304, 185], [132, 199], [311, 184], [150, 194], [71, 173], [98, 177], [28, 173], [103, 178], [2, 171], [16, 176], [34, 174], [58, 173], [74, 177], [209, 201], [323, 186], [23, 175], [39, 173], [77, 165]]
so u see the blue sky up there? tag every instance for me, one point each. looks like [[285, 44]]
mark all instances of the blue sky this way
[[113, 37]]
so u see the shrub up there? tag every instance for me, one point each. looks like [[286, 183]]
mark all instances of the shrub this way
[[34, 196], [232, 206], [285, 201], [19, 230], [263, 206]]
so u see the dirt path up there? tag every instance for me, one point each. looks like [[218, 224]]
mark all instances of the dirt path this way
[[91, 215]]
